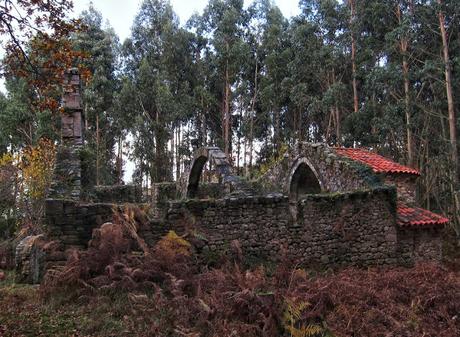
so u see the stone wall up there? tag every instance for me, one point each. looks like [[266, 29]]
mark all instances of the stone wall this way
[[356, 228], [161, 194], [210, 191], [30, 259], [73, 222], [118, 194], [419, 244], [66, 181], [405, 184], [350, 228]]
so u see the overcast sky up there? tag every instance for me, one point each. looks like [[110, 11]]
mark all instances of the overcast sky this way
[[120, 13]]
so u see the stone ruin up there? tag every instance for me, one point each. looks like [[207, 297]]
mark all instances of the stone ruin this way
[[320, 205]]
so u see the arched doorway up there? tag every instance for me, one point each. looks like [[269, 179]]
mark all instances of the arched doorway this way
[[217, 159], [303, 180], [195, 174]]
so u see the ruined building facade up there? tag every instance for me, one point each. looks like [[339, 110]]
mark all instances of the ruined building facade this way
[[321, 205]]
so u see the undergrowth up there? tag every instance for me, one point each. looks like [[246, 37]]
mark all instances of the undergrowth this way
[[121, 287]]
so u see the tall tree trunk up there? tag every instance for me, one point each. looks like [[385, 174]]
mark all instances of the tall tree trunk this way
[[353, 55], [97, 150], [178, 155], [238, 150], [173, 150], [119, 163], [403, 46], [252, 113], [329, 124], [338, 132], [276, 129], [450, 97], [251, 138], [202, 123], [245, 149], [336, 114], [452, 122], [161, 159], [226, 113]]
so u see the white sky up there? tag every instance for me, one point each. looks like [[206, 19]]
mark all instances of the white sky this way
[[120, 13]]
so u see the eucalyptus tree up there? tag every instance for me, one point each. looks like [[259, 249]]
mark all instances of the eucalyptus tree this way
[[158, 58], [276, 51], [102, 48], [21, 124], [330, 67], [222, 23]]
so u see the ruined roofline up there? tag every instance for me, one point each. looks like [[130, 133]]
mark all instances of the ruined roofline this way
[[416, 217], [377, 163]]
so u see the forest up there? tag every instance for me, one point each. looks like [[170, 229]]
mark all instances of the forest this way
[[381, 75]]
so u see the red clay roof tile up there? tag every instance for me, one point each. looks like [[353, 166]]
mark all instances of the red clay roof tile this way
[[376, 162], [414, 217]]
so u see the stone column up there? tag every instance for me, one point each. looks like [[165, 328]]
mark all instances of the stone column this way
[[71, 119], [67, 172]]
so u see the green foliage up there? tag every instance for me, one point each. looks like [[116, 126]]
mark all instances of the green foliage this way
[[271, 162]]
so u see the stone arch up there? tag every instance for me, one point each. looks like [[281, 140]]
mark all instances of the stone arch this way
[[303, 179], [200, 158]]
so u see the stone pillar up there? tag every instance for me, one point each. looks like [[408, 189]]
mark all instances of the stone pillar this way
[[71, 119], [67, 172]]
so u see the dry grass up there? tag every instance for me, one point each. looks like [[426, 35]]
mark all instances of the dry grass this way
[[118, 287]]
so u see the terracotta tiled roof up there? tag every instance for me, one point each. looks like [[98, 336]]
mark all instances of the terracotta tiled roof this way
[[378, 163], [414, 217]]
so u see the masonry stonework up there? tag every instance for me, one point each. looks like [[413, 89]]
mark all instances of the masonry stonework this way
[[405, 184], [118, 194], [344, 229], [320, 205], [67, 172]]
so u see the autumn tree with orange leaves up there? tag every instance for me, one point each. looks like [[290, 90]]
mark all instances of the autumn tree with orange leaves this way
[[37, 45]]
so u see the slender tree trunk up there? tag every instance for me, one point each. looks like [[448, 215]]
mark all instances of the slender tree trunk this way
[[160, 147], [353, 56], [452, 122], [450, 96], [252, 113], [336, 113], [178, 155], [86, 116], [276, 129], [329, 125], [119, 160], [173, 151], [338, 131], [240, 118], [251, 137], [97, 149], [226, 117], [403, 46], [202, 128], [295, 125], [245, 149]]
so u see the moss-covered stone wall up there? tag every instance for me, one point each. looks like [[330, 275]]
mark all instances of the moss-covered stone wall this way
[[348, 228]]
